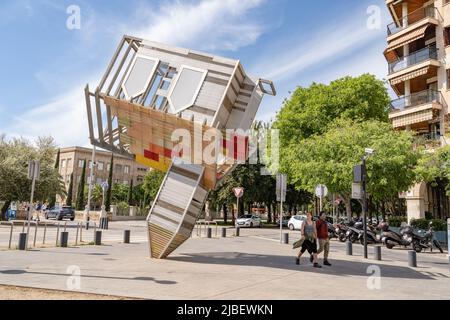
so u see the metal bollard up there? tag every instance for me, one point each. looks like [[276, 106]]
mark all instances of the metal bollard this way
[[57, 234], [238, 231], [224, 232], [98, 238], [286, 238], [126, 236], [209, 233], [412, 259], [64, 239], [35, 234], [377, 253], [10, 235], [22, 241], [349, 248], [76, 235], [45, 232]]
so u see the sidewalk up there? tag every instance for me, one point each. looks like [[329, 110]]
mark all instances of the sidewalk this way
[[250, 267]]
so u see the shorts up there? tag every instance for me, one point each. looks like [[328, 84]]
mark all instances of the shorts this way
[[310, 246]]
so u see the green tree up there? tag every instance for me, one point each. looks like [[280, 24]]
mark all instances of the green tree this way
[[130, 193], [110, 179], [14, 157], [312, 110], [70, 192], [52, 198], [329, 159], [152, 183], [119, 193], [435, 166], [80, 193]]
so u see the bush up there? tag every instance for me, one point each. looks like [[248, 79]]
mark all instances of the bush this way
[[424, 224], [396, 221]]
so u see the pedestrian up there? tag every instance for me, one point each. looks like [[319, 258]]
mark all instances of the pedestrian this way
[[324, 240], [309, 234]]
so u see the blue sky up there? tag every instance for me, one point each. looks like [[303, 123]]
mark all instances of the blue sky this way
[[44, 65]]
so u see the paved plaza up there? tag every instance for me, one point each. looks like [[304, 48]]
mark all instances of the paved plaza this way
[[253, 266]]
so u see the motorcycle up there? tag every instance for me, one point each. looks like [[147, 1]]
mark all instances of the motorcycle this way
[[372, 236], [391, 238], [426, 241], [354, 232], [341, 232]]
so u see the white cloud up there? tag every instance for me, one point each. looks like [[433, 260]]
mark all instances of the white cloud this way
[[208, 24], [64, 118]]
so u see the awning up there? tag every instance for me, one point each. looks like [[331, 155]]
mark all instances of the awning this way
[[412, 118], [408, 76], [405, 39]]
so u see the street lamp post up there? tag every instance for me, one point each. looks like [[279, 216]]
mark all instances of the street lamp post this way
[[368, 152], [91, 177], [364, 199]]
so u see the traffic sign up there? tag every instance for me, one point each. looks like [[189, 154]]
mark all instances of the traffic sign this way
[[238, 192], [321, 191], [34, 170], [281, 187], [105, 185], [357, 191]]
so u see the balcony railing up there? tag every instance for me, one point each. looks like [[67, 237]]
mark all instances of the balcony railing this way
[[415, 16], [416, 99], [429, 140], [416, 57]]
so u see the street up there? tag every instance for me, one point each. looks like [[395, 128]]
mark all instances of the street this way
[[253, 266]]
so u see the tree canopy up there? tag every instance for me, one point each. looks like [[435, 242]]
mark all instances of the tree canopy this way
[[329, 159], [313, 109]]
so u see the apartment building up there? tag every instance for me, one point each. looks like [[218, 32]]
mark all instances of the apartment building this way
[[72, 160], [419, 72]]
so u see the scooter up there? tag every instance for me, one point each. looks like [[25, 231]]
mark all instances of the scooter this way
[[391, 238], [371, 236], [354, 232], [426, 241]]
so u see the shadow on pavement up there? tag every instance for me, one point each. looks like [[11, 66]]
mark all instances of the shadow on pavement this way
[[21, 272], [339, 268]]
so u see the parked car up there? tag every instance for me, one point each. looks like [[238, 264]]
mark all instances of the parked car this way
[[296, 222], [285, 221], [249, 220], [60, 213]]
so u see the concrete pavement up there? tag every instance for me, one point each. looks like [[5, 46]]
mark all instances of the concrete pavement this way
[[254, 266]]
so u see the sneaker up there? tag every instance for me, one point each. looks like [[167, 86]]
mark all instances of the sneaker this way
[[297, 261], [311, 258], [326, 263], [316, 265]]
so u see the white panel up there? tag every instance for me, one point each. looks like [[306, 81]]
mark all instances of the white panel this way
[[139, 76], [184, 91]]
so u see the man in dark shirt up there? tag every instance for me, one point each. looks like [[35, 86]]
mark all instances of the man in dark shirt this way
[[322, 235]]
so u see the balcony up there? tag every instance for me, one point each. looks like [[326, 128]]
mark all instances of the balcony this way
[[412, 19], [416, 99], [429, 141], [422, 55], [417, 109]]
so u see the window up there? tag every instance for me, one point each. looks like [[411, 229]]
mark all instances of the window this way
[[81, 163], [63, 163], [118, 168], [116, 181], [186, 88], [100, 165], [142, 169], [139, 77], [448, 79], [69, 163], [447, 36], [108, 166], [140, 179], [126, 170]]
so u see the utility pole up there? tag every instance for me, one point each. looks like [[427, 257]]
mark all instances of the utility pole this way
[[34, 169], [364, 196], [91, 177]]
